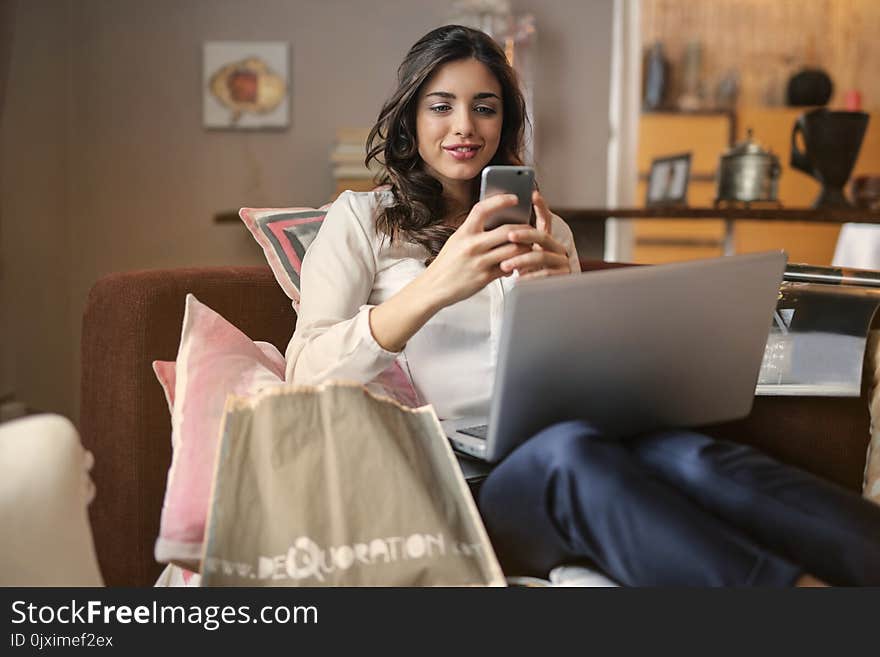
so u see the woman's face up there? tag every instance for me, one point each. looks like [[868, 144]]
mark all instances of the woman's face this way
[[458, 121]]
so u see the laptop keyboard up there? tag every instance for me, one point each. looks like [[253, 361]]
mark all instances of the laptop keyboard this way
[[480, 431]]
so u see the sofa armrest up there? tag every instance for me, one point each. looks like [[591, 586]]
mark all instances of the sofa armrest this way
[[130, 320]]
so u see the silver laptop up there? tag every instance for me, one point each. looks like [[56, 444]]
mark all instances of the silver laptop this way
[[631, 350]]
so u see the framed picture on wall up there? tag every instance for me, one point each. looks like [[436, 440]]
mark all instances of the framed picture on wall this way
[[246, 85], [668, 180]]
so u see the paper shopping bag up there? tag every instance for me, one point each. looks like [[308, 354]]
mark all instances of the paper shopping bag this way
[[333, 486]]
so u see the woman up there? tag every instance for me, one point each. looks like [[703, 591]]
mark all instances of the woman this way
[[409, 275]]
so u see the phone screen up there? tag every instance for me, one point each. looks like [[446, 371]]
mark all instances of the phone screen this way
[[517, 180]]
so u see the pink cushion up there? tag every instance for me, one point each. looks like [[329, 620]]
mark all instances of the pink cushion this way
[[164, 370], [214, 359]]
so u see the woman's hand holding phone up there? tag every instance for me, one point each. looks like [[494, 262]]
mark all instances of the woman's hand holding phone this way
[[471, 257], [546, 256]]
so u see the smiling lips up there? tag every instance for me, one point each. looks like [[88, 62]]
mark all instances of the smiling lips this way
[[462, 151]]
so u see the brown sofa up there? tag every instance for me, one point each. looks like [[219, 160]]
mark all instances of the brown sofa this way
[[134, 318]]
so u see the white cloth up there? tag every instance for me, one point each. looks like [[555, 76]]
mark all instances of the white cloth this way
[[563, 576], [175, 577], [45, 489], [858, 247], [579, 576], [350, 268]]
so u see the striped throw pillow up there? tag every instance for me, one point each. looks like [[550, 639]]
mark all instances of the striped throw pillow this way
[[284, 235]]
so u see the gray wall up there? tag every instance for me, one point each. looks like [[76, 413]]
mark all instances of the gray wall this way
[[106, 167], [37, 345]]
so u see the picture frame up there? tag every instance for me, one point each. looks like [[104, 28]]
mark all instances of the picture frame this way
[[245, 85], [668, 180]]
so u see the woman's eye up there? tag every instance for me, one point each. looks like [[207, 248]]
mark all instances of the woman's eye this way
[[440, 108], [483, 109]]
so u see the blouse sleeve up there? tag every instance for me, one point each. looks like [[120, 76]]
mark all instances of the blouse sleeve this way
[[332, 339]]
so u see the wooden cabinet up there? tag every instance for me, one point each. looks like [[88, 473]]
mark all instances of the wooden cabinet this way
[[705, 135], [666, 133]]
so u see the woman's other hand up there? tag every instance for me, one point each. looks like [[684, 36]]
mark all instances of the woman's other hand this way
[[546, 256], [472, 256]]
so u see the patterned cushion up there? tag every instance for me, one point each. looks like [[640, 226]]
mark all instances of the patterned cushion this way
[[284, 234]]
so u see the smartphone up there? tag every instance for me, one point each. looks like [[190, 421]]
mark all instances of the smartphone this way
[[509, 180]]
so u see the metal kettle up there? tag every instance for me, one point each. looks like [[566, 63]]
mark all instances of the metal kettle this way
[[747, 173]]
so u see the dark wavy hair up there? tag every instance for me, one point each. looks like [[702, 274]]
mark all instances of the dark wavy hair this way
[[419, 207]]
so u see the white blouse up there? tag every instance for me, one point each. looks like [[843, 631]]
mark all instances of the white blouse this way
[[349, 269]]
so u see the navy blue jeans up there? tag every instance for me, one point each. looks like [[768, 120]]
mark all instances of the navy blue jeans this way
[[674, 509]]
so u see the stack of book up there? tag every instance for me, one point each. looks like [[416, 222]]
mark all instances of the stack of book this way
[[347, 158]]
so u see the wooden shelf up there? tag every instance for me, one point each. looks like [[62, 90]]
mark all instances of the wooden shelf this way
[[758, 229], [830, 215], [230, 217]]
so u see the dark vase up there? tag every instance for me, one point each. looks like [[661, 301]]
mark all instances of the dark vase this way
[[656, 77], [832, 141], [809, 87]]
